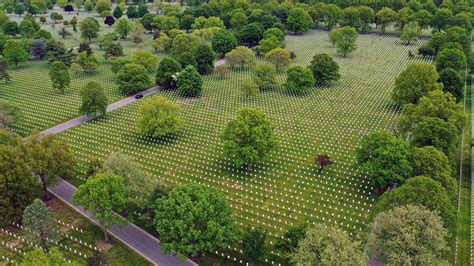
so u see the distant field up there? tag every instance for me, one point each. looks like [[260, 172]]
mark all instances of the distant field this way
[[286, 189]]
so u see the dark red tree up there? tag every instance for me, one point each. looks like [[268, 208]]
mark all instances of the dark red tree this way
[[323, 160], [68, 8], [109, 20]]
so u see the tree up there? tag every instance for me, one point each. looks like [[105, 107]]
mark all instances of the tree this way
[[204, 58], [147, 21], [450, 58], [384, 158], [18, 187], [346, 40], [253, 245], [385, 16], [132, 78], [4, 75], [223, 42], [138, 183], [9, 113], [288, 243], [56, 51], [351, 17], [28, 28], [93, 99], [299, 21], [240, 57], [19, 9], [248, 138], [11, 28], [138, 32], [414, 82], [189, 82], [323, 160], [325, 69], [331, 15], [184, 43], [431, 162], [410, 32], [42, 34], [40, 220], [166, 69], [132, 12], [251, 34], [279, 57], [146, 59], [320, 244], [64, 33], [299, 80], [194, 218], [159, 117], [423, 191], [73, 22], [60, 76], [14, 53], [423, 18], [452, 82], [88, 6], [185, 59], [142, 10], [122, 27], [55, 16], [435, 104], [264, 76], [441, 19], [238, 20], [367, 17], [459, 35], [408, 235], [49, 159], [109, 20], [89, 28], [103, 5], [249, 89], [269, 43], [104, 195], [436, 132], [38, 257], [118, 12]]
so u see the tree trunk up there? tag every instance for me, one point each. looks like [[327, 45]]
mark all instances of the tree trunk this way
[[106, 237], [45, 189], [43, 243]]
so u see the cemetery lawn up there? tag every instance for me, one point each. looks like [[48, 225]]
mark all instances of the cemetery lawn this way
[[286, 188], [73, 224]]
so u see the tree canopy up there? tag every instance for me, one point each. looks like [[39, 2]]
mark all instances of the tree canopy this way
[[159, 117], [325, 69], [94, 100]]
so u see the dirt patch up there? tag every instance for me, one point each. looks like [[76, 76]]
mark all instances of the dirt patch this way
[[103, 245], [237, 186], [14, 243], [55, 205]]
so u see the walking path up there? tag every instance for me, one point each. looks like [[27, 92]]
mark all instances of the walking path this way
[[131, 235]]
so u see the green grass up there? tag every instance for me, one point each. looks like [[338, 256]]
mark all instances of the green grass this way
[[90, 234], [285, 189]]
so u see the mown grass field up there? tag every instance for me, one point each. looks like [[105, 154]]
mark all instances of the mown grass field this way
[[286, 189]]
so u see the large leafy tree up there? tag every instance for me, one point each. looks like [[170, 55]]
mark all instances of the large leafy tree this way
[[248, 138], [420, 190], [105, 195], [14, 53], [9, 113], [299, 80], [279, 57], [408, 235], [241, 57], [159, 117], [434, 131], [189, 82], [414, 82], [431, 162], [94, 100], [18, 186], [40, 220], [346, 40], [320, 245], [204, 58], [122, 27], [167, 68], [410, 32], [89, 28], [264, 76], [325, 69], [385, 16], [384, 158], [441, 19], [60, 76], [452, 82], [194, 218], [139, 184], [145, 58], [132, 78], [436, 104], [184, 43], [253, 245], [299, 21], [288, 243], [251, 34], [223, 42], [49, 159], [451, 58]]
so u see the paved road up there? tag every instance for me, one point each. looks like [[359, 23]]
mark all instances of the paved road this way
[[131, 235], [81, 119]]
